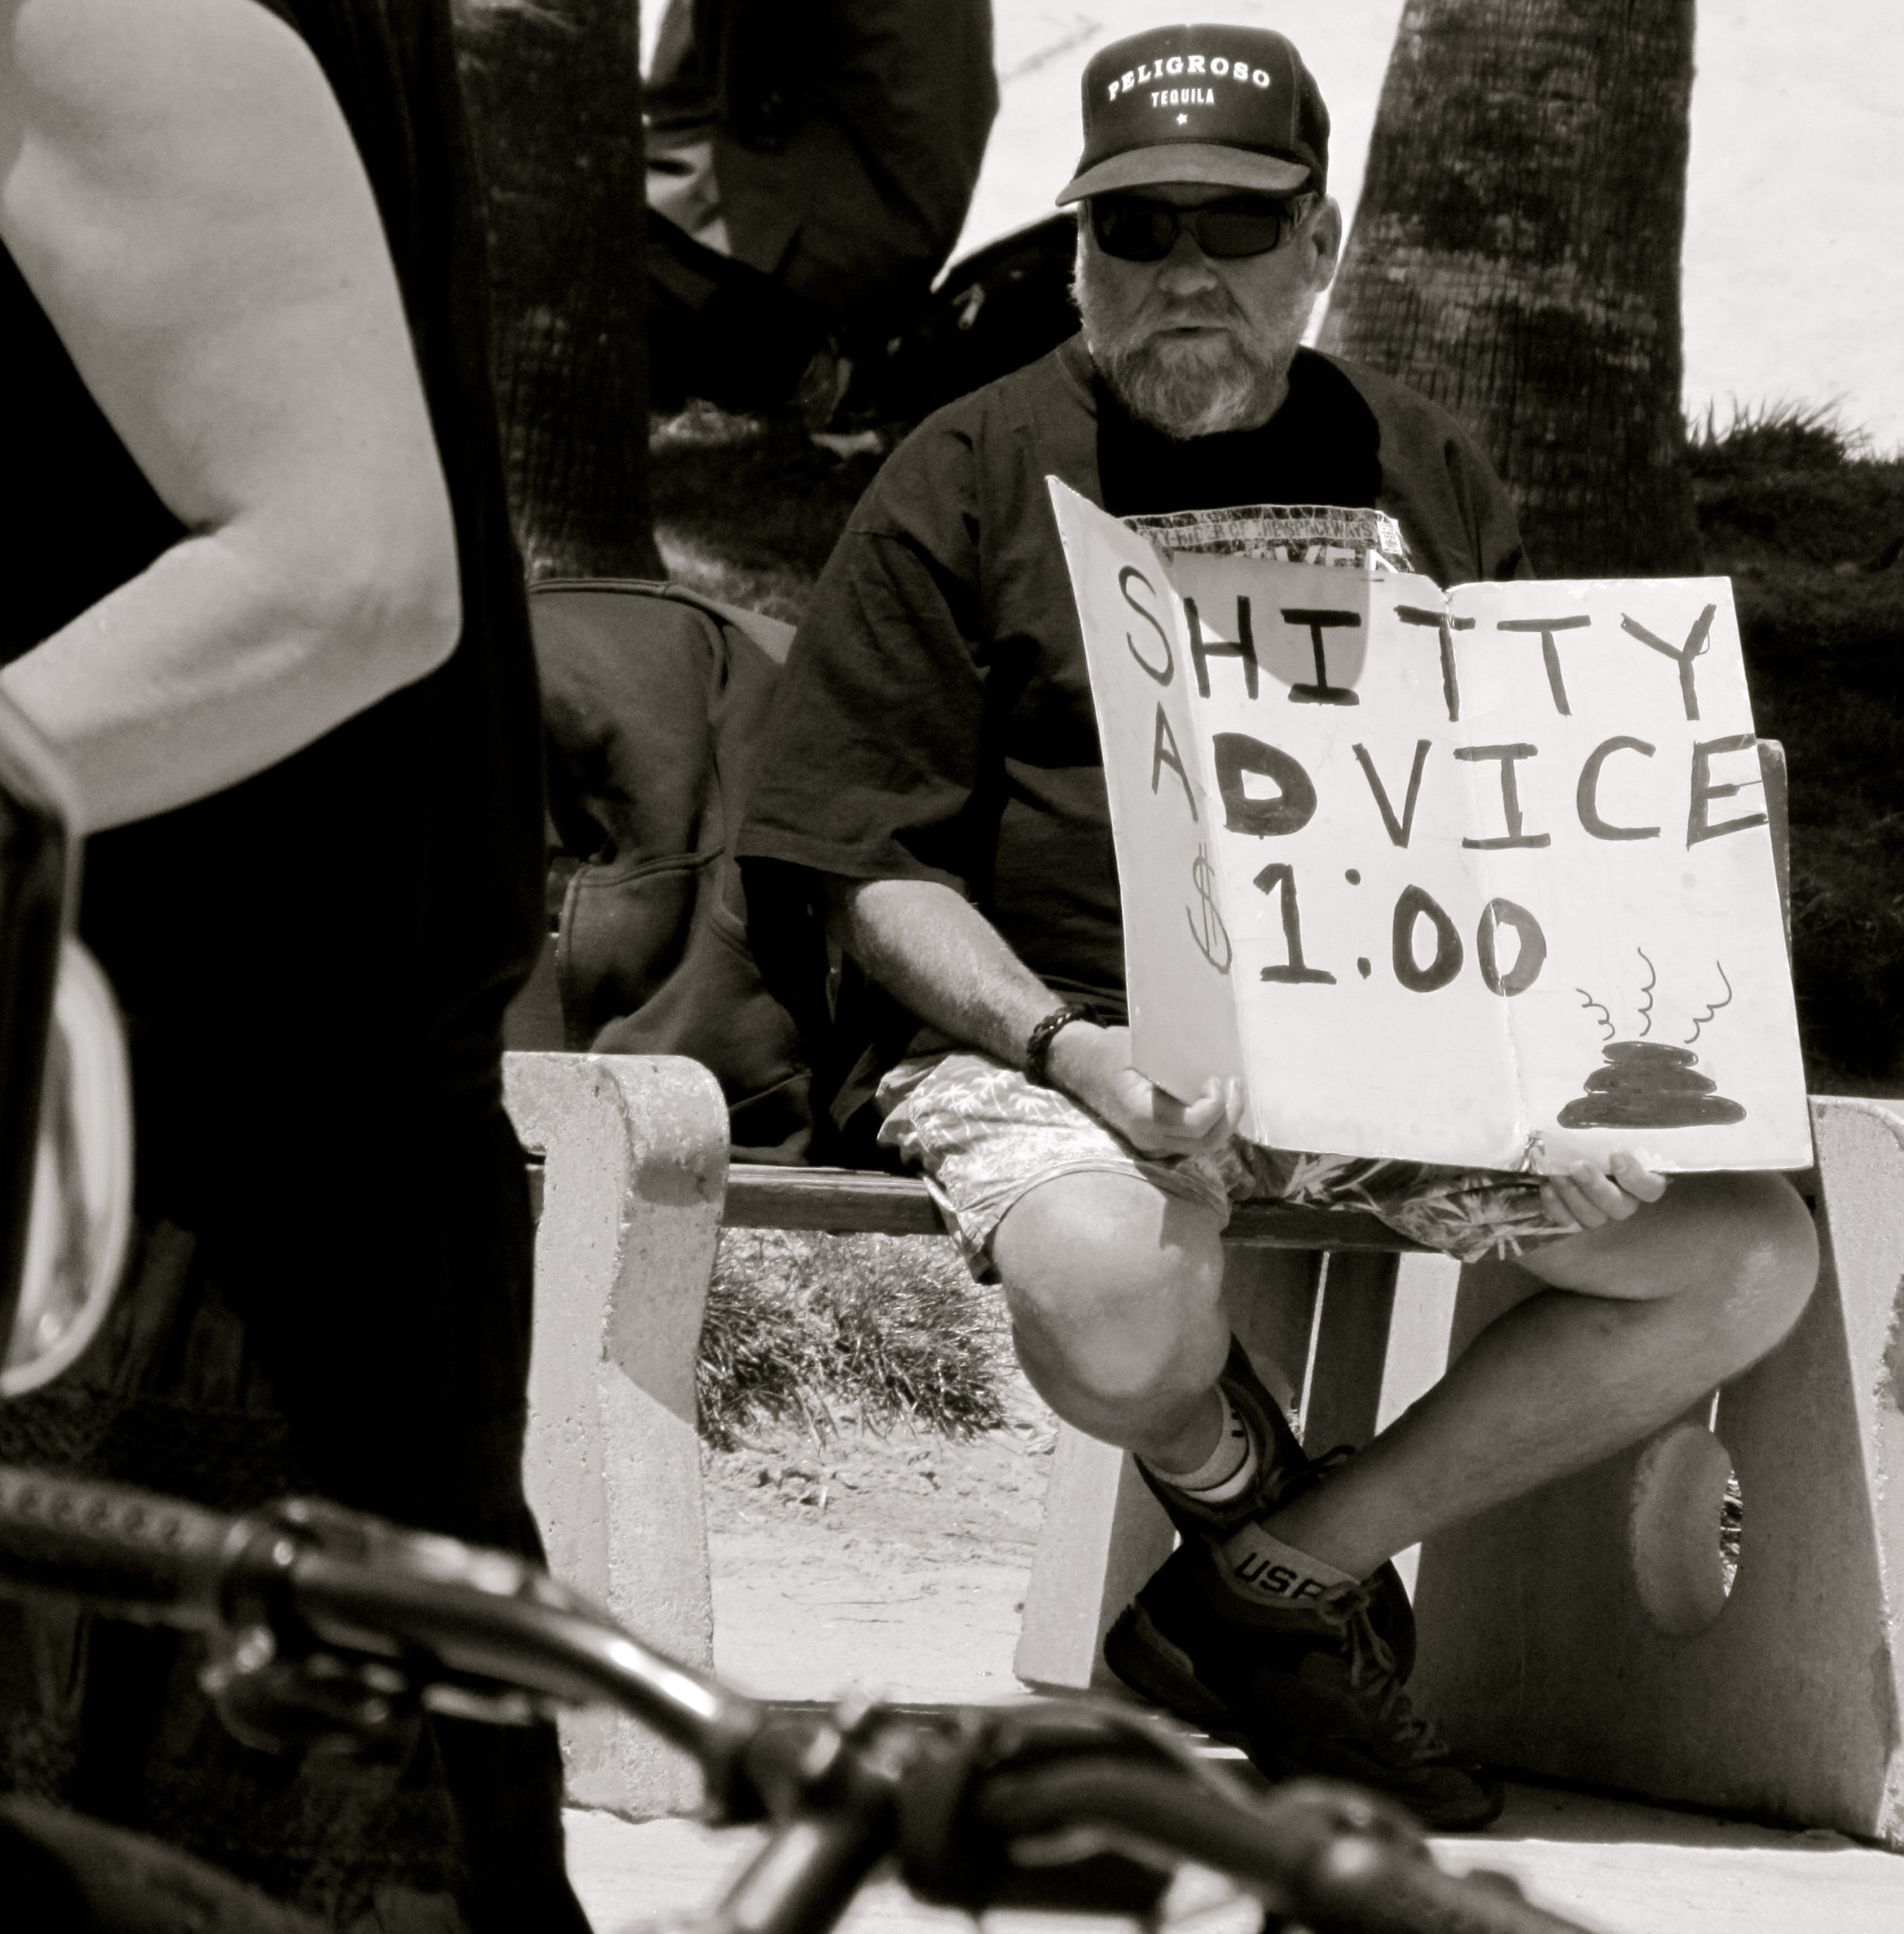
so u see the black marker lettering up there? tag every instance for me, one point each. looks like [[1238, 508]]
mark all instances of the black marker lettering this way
[[1696, 643], [1414, 905], [1510, 804], [1238, 755], [1163, 751], [1444, 628], [1321, 692], [1528, 960], [1398, 829], [1295, 971], [1586, 795], [1169, 672], [1698, 826], [1550, 652], [1244, 647]]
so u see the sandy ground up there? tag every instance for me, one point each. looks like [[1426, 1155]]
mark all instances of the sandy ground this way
[[899, 1563], [1615, 1868], [901, 1559]]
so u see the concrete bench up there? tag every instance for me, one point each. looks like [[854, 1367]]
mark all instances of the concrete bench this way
[[1585, 1633], [632, 1186], [633, 1164]]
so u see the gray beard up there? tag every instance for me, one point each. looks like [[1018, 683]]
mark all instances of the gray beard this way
[[1201, 388], [1189, 390]]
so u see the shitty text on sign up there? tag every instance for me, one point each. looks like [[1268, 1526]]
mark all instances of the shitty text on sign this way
[[1481, 877]]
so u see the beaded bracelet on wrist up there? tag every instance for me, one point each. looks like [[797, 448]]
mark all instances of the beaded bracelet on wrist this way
[[1037, 1045]]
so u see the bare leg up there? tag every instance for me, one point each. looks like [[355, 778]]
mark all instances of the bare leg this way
[[1115, 1292], [1642, 1317]]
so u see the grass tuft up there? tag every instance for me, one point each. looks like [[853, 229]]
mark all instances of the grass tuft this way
[[833, 1331], [1783, 435]]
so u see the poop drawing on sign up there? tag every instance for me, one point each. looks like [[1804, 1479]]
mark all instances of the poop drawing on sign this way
[[1644, 1083]]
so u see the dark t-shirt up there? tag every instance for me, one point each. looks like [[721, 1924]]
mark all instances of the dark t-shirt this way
[[328, 945], [935, 718], [1322, 446]]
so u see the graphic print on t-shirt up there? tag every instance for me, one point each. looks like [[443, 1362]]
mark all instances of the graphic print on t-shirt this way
[[1288, 533]]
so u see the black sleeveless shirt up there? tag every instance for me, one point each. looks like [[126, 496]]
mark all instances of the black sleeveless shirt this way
[[326, 948]]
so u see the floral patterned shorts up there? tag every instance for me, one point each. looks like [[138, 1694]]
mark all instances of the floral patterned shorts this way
[[984, 1135]]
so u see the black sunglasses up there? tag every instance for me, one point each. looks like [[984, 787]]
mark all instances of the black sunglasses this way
[[1135, 228]]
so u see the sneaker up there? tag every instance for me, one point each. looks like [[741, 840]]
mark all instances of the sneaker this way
[[1314, 1690], [1283, 1470]]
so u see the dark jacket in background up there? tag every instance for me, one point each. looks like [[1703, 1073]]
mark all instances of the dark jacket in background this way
[[845, 138], [808, 170]]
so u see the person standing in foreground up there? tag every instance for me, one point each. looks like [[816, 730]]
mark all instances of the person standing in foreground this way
[[261, 598], [934, 782]]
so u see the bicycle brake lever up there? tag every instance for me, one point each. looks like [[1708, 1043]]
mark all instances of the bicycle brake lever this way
[[280, 1685]]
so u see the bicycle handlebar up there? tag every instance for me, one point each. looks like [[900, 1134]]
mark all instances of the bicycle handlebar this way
[[127, 1553], [360, 1586], [986, 1809]]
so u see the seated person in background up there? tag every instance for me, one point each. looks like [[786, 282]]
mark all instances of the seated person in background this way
[[809, 169], [934, 774]]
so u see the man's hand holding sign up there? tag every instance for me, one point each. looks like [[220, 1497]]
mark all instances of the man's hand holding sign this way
[[1455, 905], [1097, 1066]]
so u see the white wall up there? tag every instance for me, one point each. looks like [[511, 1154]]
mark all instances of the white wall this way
[[1795, 243], [1794, 246]]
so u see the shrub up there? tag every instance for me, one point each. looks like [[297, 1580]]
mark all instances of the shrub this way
[[1808, 525], [1782, 436], [889, 1329]]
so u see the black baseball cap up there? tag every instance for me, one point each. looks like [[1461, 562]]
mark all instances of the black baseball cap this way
[[1234, 107]]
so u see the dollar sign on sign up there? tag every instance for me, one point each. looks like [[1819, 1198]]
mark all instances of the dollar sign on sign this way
[[1207, 927]]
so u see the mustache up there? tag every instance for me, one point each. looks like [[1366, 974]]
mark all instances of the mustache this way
[[1176, 315]]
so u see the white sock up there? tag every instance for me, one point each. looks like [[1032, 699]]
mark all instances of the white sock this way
[[1229, 1470], [1263, 1568]]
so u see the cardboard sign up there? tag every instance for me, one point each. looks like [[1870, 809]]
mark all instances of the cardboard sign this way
[[1481, 877]]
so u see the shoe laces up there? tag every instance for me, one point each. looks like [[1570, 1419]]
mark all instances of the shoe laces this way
[[1372, 1673]]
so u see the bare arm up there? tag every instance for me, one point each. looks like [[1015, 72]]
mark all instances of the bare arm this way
[[939, 955], [181, 193]]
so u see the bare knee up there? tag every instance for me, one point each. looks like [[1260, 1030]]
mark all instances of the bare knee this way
[[1736, 1255], [1114, 1288], [1765, 1248]]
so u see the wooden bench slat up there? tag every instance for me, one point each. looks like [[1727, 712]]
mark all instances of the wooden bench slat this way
[[849, 1202], [834, 1201], [1283, 1225]]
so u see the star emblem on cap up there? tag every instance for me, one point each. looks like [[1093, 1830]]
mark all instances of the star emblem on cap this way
[[1182, 119]]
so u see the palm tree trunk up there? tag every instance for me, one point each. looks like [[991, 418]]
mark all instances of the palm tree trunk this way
[[1516, 257], [554, 93]]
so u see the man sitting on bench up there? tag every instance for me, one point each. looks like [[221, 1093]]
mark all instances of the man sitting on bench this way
[[934, 758]]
